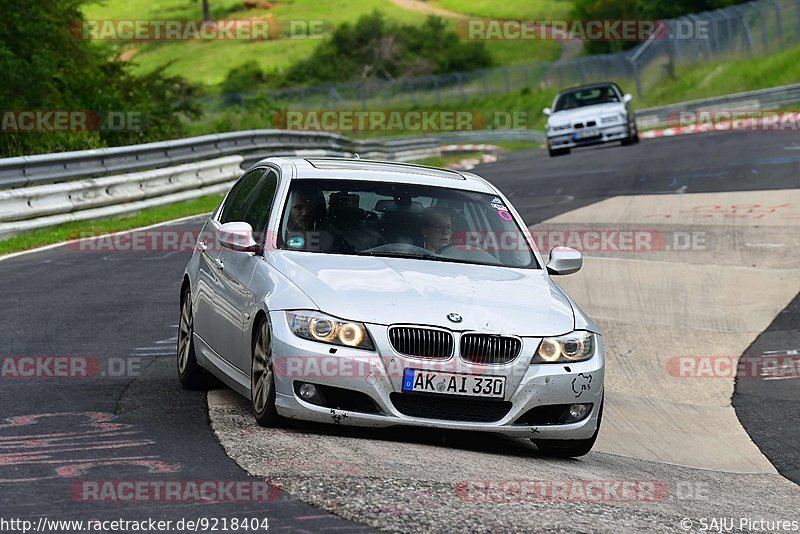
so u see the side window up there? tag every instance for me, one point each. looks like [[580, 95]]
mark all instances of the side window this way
[[236, 203], [259, 210]]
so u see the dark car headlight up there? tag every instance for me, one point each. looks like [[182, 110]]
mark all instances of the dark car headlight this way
[[317, 326], [576, 346]]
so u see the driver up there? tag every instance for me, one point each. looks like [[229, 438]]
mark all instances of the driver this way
[[307, 211], [437, 228]]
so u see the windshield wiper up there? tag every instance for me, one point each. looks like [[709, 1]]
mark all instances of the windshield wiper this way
[[410, 255]]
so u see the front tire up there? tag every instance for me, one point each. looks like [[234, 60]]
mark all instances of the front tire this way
[[569, 448], [190, 374], [262, 378], [632, 138]]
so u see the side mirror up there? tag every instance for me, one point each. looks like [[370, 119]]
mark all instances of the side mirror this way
[[564, 260], [238, 236], [627, 98], [547, 111]]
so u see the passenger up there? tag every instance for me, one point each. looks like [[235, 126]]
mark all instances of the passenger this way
[[437, 228]]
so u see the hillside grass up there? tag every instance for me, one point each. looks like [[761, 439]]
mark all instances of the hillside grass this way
[[511, 9], [726, 77], [208, 62]]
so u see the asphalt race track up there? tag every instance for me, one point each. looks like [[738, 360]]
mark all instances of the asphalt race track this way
[[722, 281]]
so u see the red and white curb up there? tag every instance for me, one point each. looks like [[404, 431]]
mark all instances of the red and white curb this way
[[468, 148], [470, 163]]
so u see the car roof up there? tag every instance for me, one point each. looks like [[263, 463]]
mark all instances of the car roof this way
[[383, 171]]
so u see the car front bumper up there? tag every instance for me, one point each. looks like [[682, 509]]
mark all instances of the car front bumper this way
[[379, 375], [607, 134]]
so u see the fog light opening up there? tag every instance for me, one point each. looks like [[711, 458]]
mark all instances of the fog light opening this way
[[310, 393], [577, 412]]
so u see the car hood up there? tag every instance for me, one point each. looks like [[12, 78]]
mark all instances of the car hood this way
[[572, 115], [404, 291]]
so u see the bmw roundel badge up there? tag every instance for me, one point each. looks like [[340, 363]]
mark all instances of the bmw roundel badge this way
[[454, 317]]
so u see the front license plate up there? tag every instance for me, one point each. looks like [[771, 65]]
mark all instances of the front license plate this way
[[452, 384], [583, 134]]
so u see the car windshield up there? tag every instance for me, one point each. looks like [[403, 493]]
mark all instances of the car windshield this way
[[587, 96], [370, 218]]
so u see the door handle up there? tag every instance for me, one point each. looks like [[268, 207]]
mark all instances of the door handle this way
[[218, 263]]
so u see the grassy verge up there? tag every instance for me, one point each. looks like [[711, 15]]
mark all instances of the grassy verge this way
[[725, 77], [441, 161], [65, 232]]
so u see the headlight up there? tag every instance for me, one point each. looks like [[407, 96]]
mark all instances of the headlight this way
[[611, 118], [317, 326], [573, 347], [556, 127]]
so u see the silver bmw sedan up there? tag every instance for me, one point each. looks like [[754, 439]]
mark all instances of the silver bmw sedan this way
[[376, 294]]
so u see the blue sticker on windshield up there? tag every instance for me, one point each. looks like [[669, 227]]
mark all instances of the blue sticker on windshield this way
[[296, 242]]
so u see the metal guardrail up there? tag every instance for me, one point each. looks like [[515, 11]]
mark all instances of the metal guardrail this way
[[252, 144], [37, 207], [43, 200], [53, 189], [761, 100]]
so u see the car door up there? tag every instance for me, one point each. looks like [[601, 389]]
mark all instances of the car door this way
[[207, 316], [235, 296]]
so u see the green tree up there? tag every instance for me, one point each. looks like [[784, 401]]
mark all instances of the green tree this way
[[374, 48], [46, 66]]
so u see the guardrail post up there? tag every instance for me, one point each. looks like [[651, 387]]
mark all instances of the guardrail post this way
[[797, 17], [637, 78], [361, 95], [461, 84], [778, 20], [763, 20], [748, 39]]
